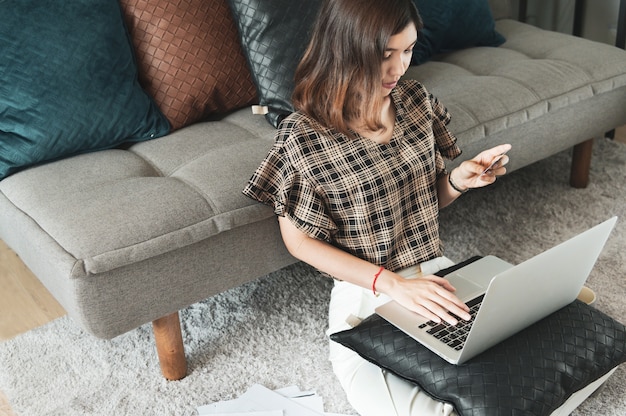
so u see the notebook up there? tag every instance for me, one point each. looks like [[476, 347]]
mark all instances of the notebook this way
[[506, 298]]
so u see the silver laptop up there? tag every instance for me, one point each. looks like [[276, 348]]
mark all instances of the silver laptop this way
[[504, 298]]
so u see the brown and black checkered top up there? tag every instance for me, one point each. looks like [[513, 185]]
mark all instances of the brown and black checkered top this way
[[376, 201]]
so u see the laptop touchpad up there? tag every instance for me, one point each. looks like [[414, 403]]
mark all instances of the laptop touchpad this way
[[465, 288]]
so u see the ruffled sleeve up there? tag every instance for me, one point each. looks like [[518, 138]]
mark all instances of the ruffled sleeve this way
[[282, 183]]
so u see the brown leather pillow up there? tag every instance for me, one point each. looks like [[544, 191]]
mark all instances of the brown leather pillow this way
[[189, 57]]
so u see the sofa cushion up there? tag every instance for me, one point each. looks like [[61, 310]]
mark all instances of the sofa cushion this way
[[117, 207], [68, 82], [531, 373], [535, 72], [189, 57], [274, 35], [453, 24]]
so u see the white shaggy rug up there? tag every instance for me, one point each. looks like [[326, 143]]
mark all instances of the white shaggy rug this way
[[271, 331]]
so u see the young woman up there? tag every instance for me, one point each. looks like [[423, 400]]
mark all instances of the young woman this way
[[356, 177]]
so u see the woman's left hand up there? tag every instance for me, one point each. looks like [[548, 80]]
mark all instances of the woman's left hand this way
[[481, 170]]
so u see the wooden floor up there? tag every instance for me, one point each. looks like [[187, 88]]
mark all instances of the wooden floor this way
[[25, 304]]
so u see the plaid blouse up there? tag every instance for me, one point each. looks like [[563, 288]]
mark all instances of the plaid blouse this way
[[376, 201]]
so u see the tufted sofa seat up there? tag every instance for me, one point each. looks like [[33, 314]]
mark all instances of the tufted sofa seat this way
[[132, 235], [123, 234]]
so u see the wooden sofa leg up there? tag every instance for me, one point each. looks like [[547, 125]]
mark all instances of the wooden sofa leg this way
[[169, 344], [581, 163]]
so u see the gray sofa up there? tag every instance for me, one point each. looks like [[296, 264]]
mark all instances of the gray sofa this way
[[127, 236]]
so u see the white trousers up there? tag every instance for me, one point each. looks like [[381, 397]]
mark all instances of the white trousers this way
[[371, 390]]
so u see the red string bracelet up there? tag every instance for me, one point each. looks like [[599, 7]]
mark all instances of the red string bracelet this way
[[375, 279]]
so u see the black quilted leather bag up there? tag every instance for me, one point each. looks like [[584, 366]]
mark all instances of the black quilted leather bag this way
[[274, 35], [532, 373]]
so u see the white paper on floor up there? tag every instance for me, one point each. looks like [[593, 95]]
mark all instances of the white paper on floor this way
[[261, 401]]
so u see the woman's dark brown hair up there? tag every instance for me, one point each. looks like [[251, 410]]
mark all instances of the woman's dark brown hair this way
[[340, 72]]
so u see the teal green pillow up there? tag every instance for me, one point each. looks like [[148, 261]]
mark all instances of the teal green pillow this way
[[68, 82], [454, 24]]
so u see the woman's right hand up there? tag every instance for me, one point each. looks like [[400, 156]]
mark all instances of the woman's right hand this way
[[430, 296]]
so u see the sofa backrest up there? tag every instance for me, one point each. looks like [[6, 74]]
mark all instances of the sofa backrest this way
[[501, 9]]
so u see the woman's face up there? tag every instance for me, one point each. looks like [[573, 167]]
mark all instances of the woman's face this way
[[397, 57]]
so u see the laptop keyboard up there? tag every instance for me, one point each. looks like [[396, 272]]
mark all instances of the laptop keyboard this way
[[454, 335]]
